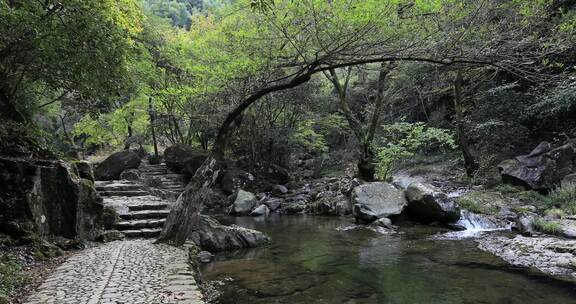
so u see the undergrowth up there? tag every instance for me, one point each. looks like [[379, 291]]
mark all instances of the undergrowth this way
[[547, 227], [12, 278]]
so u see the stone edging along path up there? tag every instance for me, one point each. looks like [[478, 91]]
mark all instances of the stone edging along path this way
[[128, 272]]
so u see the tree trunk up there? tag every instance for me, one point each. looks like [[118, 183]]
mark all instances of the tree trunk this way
[[469, 162], [152, 122], [366, 162]]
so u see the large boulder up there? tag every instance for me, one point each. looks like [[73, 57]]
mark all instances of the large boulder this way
[[234, 179], [244, 203], [428, 204], [542, 169], [115, 164], [373, 201], [213, 236], [48, 198], [184, 159]]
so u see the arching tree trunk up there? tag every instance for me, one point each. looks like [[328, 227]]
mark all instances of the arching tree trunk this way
[[184, 216]]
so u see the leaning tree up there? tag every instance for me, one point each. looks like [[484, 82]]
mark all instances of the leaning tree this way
[[295, 40]]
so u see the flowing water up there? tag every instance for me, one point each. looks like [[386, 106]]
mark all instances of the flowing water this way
[[314, 260]]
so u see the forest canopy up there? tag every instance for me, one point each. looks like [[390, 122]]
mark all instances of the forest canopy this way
[[91, 72]]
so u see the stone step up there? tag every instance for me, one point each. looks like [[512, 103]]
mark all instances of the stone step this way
[[140, 224], [123, 193], [149, 206], [154, 172], [142, 233], [175, 186], [118, 188], [145, 214]]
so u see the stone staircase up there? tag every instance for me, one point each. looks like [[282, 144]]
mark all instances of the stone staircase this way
[[141, 215], [165, 179]]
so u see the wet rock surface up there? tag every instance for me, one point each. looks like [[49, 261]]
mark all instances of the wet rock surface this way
[[377, 200], [121, 272], [213, 236], [550, 255]]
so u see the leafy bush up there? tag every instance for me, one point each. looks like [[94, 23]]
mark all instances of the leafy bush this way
[[403, 140], [547, 227]]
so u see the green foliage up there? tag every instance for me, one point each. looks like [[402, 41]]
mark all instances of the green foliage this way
[[112, 128], [311, 133], [481, 202], [71, 45], [403, 140], [309, 137], [563, 198], [11, 278], [548, 227], [553, 104]]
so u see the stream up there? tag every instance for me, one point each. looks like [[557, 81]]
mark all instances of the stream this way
[[319, 260]]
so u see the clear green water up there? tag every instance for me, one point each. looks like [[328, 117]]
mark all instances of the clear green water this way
[[311, 261]]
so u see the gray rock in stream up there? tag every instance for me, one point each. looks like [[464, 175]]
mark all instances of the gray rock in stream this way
[[428, 204], [550, 255], [213, 236], [373, 201], [261, 210], [244, 203]]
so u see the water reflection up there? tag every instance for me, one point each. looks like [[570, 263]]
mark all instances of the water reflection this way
[[311, 261]]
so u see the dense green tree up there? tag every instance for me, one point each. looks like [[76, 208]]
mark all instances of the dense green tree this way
[[50, 50]]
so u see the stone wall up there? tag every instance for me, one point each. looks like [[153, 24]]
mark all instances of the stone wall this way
[[47, 198]]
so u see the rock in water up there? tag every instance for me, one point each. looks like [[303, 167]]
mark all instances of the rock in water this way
[[205, 257], [428, 204], [213, 236], [115, 164], [244, 203], [542, 169], [373, 201], [260, 211], [184, 159]]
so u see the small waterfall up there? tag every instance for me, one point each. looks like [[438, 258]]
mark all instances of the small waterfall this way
[[474, 225], [477, 222]]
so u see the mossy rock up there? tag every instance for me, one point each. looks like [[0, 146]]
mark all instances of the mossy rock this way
[[484, 202], [109, 217]]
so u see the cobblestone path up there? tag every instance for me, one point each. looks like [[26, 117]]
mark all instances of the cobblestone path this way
[[127, 272]]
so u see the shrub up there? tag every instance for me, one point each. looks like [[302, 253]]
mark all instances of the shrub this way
[[562, 198], [547, 227], [476, 206], [403, 140]]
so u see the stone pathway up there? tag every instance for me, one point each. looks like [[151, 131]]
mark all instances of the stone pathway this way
[[126, 272]]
